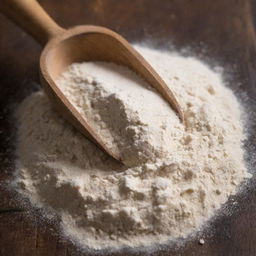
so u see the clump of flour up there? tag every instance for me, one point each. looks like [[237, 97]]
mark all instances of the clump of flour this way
[[177, 176]]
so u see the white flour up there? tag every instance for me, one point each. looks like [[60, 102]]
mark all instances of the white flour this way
[[130, 117], [177, 177]]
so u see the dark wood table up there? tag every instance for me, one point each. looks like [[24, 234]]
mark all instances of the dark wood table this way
[[219, 31]]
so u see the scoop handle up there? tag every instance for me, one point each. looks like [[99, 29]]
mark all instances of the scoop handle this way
[[32, 18]]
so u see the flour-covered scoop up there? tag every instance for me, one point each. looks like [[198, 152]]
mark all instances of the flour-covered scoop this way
[[82, 43]]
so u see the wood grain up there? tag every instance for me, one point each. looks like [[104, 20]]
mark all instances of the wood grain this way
[[217, 31]]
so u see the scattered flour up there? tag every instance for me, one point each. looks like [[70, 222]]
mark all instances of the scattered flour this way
[[177, 176]]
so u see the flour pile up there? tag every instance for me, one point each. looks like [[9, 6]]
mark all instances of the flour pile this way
[[177, 176]]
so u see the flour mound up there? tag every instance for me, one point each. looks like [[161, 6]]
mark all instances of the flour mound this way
[[176, 177]]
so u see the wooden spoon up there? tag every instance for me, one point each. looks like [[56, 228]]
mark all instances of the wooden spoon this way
[[78, 44]]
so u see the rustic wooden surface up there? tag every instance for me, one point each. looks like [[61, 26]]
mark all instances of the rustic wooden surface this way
[[216, 30]]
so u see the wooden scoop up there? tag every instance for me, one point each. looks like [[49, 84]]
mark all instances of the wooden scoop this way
[[78, 44]]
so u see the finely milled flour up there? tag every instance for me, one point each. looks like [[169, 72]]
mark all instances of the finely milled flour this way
[[175, 177]]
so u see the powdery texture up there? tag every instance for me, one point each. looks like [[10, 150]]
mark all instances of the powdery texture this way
[[125, 112], [177, 177]]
